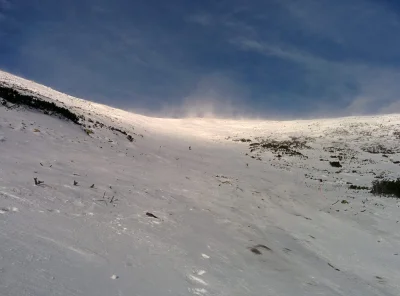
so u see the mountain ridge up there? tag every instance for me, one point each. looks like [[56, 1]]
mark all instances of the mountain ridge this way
[[194, 206]]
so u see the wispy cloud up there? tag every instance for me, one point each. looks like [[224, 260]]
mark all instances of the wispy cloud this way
[[278, 51], [377, 89]]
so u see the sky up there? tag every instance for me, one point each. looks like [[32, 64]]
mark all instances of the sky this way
[[271, 58]]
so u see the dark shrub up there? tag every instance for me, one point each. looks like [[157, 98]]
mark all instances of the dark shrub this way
[[335, 164], [14, 97], [386, 187], [378, 148], [285, 147], [355, 187]]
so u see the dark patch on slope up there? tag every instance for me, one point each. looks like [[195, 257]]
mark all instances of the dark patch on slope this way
[[386, 187], [15, 97], [256, 249], [285, 147], [99, 124]]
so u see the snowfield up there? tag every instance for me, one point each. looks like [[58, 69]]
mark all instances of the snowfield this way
[[194, 206]]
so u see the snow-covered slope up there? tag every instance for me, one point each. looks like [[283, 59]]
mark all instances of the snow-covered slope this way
[[193, 206]]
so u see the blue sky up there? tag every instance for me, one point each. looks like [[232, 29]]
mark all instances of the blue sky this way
[[293, 58]]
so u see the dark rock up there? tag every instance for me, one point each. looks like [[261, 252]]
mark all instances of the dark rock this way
[[148, 214], [335, 164]]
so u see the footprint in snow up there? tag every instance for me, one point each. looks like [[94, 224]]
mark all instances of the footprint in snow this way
[[8, 210]]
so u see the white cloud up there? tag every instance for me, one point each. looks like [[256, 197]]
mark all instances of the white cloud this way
[[377, 86]]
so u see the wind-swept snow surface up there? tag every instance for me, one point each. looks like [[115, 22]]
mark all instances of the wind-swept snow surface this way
[[193, 206]]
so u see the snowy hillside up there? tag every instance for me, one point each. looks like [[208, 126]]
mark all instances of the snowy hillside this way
[[133, 205]]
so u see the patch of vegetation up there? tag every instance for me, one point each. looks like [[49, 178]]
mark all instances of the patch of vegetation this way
[[115, 129], [340, 152], [285, 147], [242, 140], [378, 149], [386, 187], [340, 157], [88, 131], [98, 123], [14, 97], [118, 130], [355, 187], [338, 132], [381, 175], [365, 133]]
